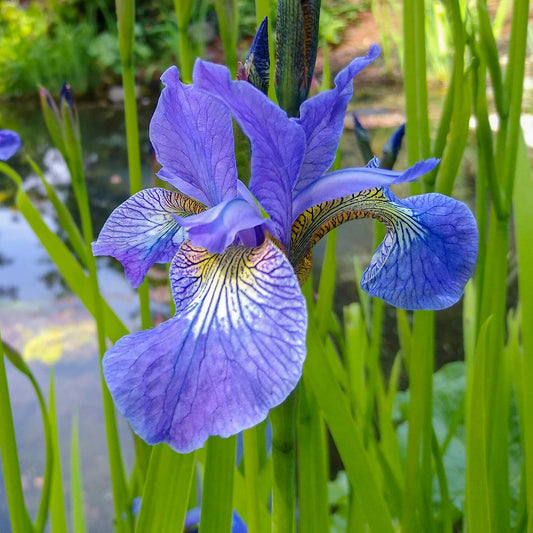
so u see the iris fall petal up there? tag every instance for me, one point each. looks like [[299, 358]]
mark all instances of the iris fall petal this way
[[428, 254], [234, 349]]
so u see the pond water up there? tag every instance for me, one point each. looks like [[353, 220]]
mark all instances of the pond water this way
[[41, 318]]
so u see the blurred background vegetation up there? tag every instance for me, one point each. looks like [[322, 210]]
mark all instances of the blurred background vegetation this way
[[44, 43]]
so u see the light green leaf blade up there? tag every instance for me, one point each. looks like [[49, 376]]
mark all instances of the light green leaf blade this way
[[76, 481], [166, 492]]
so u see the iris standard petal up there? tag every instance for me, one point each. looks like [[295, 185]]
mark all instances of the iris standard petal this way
[[144, 230], [352, 180], [234, 349], [217, 228], [9, 144], [322, 118], [278, 144], [192, 136], [428, 254]]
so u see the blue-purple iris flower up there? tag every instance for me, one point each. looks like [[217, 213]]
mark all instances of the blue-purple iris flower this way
[[237, 342], [9, 144]]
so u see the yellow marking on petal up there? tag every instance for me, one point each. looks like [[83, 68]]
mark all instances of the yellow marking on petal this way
[[318, 220]]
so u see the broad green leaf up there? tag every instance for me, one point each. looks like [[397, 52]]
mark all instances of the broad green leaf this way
[[217, 495], [166, 492]]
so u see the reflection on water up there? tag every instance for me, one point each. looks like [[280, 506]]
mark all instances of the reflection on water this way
[[40, 316], [42, 319]]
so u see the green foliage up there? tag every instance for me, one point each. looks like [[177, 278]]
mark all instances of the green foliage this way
[[36, 48], [453, 450]]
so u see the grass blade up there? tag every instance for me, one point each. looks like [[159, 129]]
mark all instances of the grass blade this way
[[523, 206], [477, 482], [346, 434], [76, 483], [58, 513], [166, 492], [217, 497], [20, 521]]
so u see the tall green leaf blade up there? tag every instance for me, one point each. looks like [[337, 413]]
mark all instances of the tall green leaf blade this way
[[58, 512], [523, 207], [20, 521], [166, 492], [346, 435], [217, 496], [76, 482], [477, 482]]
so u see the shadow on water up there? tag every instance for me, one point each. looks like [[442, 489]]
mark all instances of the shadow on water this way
[[41, 318]]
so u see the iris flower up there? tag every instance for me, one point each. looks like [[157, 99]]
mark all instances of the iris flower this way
[[237, 342], [9, 144]]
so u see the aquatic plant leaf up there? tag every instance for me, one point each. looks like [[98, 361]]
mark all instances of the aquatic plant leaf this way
[[192, 135], [144, 230], [322, 118], [277, 143], [234, 349]]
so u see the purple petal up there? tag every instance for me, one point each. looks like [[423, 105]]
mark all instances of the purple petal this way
[[278, 144], [217, 228], [192, 135], [9, 144], [144, 230], [428, 254], [322, 118], [234, 349], [351, 180]]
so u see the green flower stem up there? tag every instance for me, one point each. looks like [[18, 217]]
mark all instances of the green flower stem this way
[[416, 515], [18, 514], [251, 478], [126, 22], [418, 476], [283, 419], [228, 23], [185, 53], [73, 152], [183, 9], [514, 82]]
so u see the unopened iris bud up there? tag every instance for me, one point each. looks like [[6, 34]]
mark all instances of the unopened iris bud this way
[[392, 147], [296, 48], [52, 118], [256, 68], [363, 139], [66, 95]]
